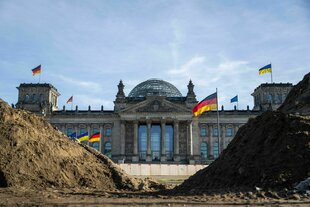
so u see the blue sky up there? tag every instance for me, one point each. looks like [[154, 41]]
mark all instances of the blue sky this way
[[86, 47]]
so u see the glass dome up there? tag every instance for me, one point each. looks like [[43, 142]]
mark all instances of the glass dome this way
[[155, 87]]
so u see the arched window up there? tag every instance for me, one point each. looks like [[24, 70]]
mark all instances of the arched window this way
[[95, 145], [107, 149], [203, 132], [229, 131], [41, 97], [108, 132], [33, 98], [27, 97], [204, 150]]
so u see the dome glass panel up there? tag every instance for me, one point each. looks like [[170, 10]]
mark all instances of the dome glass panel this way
[[155, 87]]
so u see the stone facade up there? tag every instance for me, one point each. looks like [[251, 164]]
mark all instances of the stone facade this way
[[153, 124]]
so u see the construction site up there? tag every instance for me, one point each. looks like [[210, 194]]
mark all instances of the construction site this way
[[266, 164]]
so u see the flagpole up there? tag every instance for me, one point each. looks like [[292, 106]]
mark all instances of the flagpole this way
[[271, 72], [218, 123], [39, 77]]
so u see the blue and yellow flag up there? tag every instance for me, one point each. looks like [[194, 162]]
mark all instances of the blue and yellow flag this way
[[83, 137], [265, 69]]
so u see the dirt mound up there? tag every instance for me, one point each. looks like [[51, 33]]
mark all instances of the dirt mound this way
[[35, 155], [298, 100], [271, 151]]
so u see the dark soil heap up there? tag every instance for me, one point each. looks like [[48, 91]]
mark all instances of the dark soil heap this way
[[271, 151], [298, 100], [35, 155]]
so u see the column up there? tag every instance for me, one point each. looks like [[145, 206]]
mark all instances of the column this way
[[122, 145], [148, 152], [135, 157], [190, 142], [222, 138], [76, 130], [176, 155], [101, 147], [89, 133], [163, 139], [236, 128], [190, 138], [63, 129]]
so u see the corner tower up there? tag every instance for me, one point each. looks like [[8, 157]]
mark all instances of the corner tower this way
[[40, 98], [270, 96]]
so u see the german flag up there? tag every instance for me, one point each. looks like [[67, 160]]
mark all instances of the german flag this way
[[36, 70], [206, 104], [95, 137], [70, 99]]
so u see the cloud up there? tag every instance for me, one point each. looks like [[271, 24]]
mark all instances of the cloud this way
[[86, 85]]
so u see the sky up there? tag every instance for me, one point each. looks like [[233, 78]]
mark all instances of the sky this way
[[86, 47]]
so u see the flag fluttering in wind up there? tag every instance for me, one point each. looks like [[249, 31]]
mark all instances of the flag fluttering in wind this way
[[265, 69], [95, 137], [70, 99], [83, 137], [73, 135], [206, 104], [234, 99], [36, 70]]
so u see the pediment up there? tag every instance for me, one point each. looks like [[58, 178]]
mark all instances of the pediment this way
[[156, 105]]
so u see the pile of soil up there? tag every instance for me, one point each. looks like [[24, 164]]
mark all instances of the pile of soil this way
[[298, 100], [271, 151], [34, 155]]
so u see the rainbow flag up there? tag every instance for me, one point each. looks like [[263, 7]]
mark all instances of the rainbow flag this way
[[206, 104], [265, 69], [95, 137], [83, 137], [36, 70]]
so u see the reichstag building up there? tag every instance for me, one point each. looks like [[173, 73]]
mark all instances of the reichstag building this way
[[154, 123]]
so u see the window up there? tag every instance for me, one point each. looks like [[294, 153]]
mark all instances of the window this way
[[33, 98], [269, 98], [41, 97], [229, 132], [155, 142], [215, 150], [95, 130], [169, 141], [107, 149], [27, 97], [108, 132], [214, 132], [82, 130], [95, 145], [204, 150], [142, 142], [203, 132], [69, 131]]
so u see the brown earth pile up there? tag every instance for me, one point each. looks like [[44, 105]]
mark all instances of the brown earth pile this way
[[271, 151], [35, 155]]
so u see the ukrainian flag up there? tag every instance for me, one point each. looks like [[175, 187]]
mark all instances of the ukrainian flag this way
[[83, 137], [265, 69]]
